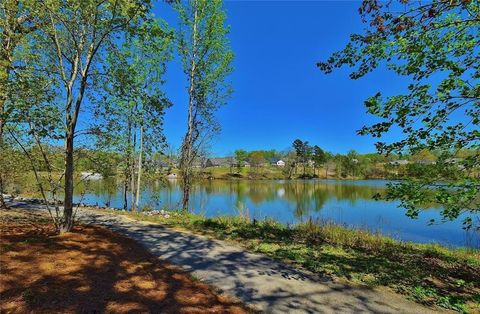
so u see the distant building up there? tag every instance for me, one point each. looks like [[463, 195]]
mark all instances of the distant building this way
[[277, 162], [425, 162], [453, 160], [221, 162], [199, 163], [280, 163], [457, 162], [399, 162]]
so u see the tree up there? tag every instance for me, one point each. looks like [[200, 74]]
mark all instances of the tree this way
[[133, 103], [290, 158], [31, 123], [319, 157], [304, 152], [240, 156], [329, 163], [206, 58], [435, 45], [423, 155], [75, 36], [18, 19], [257, 159]]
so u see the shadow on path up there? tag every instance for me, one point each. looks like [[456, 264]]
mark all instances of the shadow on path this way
[[255, 279]]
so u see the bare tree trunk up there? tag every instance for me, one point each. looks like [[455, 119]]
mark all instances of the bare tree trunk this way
[[186, 192], [71, 122], [125, 194], [2, 150], [132, 172], [129, 161], [67, 223], [5, 67], [139, 167], [187, 149], [3, 205]]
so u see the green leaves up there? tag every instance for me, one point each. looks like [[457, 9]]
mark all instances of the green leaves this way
[[133, 88], [205, 51], [435, 44]]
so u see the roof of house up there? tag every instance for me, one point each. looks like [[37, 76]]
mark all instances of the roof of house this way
[[453, 160], [399, 162], [425, 162], [221, 161]]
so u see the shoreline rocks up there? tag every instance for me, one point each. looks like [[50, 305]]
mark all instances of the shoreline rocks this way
[[36, 201]]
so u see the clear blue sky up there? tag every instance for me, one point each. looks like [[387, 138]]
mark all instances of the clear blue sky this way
[[279, 94]]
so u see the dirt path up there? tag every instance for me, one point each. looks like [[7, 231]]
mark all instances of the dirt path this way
[[270, 286]]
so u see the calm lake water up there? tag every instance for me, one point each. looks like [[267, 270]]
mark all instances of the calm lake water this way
[[344, 202]]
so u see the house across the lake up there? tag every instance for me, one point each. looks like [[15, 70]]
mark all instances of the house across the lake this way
[[221, 162], [199, 163], [278, 163], [425, 162], [399, 162]]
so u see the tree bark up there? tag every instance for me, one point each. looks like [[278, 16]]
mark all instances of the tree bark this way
[[139, 167], [3, 205], [6, 55], [67, 223], [132, 171], [188, 142], [129, 160]]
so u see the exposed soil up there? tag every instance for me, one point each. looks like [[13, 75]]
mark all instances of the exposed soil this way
[[92, 270]]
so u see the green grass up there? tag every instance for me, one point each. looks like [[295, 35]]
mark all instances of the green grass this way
[[267, 172], [429, 274]]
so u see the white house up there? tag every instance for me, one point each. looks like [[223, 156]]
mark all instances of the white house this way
[[280, 163]]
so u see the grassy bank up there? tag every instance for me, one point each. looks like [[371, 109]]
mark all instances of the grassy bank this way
[[429, 274]]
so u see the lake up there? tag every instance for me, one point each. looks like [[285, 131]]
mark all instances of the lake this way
[[343, 202]]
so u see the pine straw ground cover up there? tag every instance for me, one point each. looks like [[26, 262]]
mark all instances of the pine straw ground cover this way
[[92, 270]]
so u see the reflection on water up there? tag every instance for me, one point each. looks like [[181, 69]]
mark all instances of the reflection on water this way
[[345, 202]]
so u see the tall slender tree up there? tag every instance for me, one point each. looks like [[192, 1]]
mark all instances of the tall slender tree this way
[[319, 157], [18, 19], [133, 102], [206, 58], [75, 38]]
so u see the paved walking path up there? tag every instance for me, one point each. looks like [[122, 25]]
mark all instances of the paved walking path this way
[[270, 286]]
